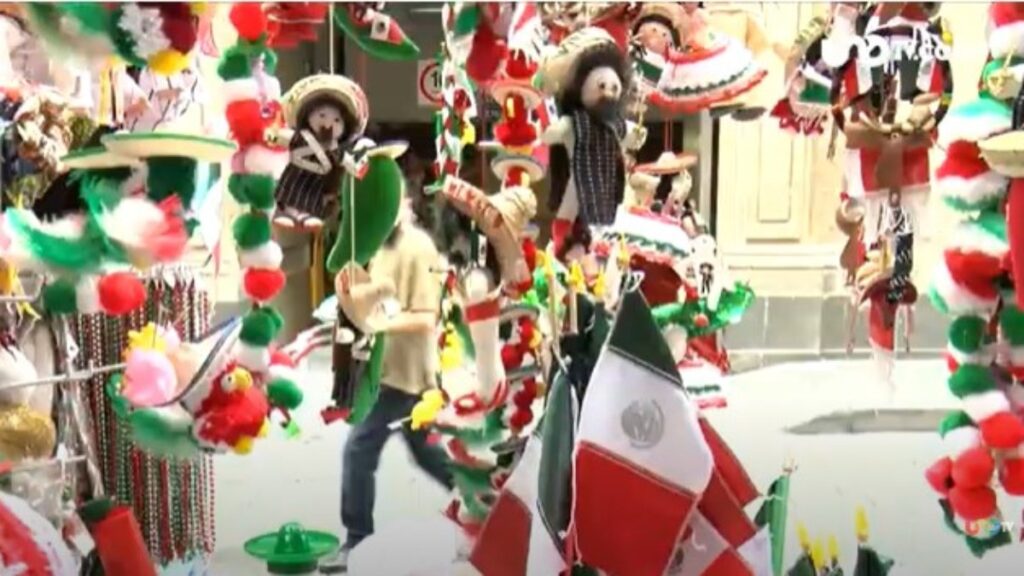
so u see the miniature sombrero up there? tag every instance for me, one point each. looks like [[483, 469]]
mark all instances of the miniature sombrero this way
[[345, 91], [501, 217], [97, 158], [502, 89], [164, 144], [1005, 153], [292, 549], [557, 69], [504, 163], [668, 163], [197, 364]]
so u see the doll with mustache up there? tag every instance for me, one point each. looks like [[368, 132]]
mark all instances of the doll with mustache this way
[[590, 79], [307, 191]]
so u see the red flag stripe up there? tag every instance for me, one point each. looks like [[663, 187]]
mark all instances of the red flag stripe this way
[[729, 563], [626, 520], [729, 467], [504, 542], [721, 509]]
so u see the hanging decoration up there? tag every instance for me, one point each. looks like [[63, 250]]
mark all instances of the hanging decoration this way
[[374, 32]]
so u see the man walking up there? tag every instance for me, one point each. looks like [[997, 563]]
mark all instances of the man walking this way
[[407, 261]]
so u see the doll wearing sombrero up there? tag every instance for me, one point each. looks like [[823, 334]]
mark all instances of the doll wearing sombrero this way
[[328, 114], [590, 80], [665, 185]]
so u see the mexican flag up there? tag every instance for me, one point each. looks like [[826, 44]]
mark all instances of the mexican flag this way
[[724, 540], [642, 463], [524, 533]]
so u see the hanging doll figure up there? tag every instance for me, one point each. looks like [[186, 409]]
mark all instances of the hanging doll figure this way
[[328, 115], [589, 77]]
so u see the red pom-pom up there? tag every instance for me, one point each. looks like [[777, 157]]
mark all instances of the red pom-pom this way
[[121, 293], [179, 26], [520, 419], [515, 133], [526, 332], [262, 285], [530, 387], [701, 321], [973, 503], [511, 357], [249, 20], [1002, 431], [1011, 476], [940, 475], [523, 400], [280, 358], [245, 119], [973, 468]]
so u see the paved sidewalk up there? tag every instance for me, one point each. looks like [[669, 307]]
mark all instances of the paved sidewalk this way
[[298, 480]]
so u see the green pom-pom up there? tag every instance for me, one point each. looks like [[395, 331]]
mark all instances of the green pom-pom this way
[[1011, 321], [261, 191], [258, 329], [160, 433], [253, 189], [252, 230], [170, 176], [234, 64], [954, 420], [284, 394], [60, 297], [970, 379], [967, 333]]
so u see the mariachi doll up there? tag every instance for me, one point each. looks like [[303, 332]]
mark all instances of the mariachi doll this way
[[590, 79], [328, 113]]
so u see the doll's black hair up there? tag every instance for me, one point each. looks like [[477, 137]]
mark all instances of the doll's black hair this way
[[604, 55], [658, 19], [348, 134]]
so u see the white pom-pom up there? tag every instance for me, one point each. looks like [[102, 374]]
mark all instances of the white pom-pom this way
[[87, 295], [267, 161], [241, 89], [254, 358], [267, 256]]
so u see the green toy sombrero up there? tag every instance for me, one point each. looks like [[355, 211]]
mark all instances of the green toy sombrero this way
[[169, 144], [292, 550]]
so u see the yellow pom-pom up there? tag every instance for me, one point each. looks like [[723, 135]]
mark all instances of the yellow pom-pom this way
[[148, 338], [265, 430], [425, 411], [599, 285], [861, 524], [576, 280], [818, 555], [537, 340], [833, 549], [167, 62], [803, 537], [243, 446], [468, 133]]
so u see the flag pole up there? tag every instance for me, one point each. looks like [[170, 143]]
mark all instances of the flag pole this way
[[780, 513]]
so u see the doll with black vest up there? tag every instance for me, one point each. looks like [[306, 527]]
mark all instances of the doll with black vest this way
[[590, 79], [328, 114]]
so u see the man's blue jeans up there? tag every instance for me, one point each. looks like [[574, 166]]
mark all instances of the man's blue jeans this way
[[362, 456]]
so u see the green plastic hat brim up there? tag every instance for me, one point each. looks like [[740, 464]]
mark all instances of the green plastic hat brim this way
[[391, 149], [265, 548], [97, 158], [170, 144]]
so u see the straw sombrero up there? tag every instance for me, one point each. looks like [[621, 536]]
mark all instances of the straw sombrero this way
[[1005, 153], [501, 217], [345, 91], [668, 163], [557, 69], [163, 144], [365, 309], [292, 549], [670, 12], [198, 364], [97, 158]]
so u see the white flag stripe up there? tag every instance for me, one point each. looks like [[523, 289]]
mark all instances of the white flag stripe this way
[[758, 552], [702, 547], [544, 559], [671, 445]]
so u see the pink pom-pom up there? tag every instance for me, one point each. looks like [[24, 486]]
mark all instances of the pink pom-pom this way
[[149, 378]]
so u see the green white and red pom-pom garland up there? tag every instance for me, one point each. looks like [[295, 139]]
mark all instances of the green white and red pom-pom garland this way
[[254, 114]]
